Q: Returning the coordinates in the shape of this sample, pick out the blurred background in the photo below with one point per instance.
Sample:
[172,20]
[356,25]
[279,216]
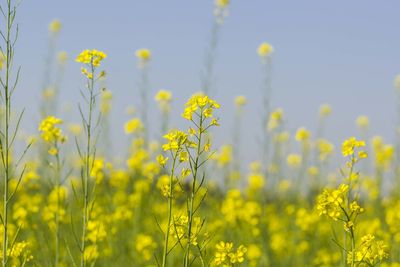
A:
[343,53]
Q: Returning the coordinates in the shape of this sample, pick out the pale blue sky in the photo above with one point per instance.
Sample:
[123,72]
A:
[345,53]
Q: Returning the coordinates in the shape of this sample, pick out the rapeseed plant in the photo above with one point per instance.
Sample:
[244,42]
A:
[182,201]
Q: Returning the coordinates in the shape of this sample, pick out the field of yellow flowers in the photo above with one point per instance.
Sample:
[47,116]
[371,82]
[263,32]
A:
[180,200]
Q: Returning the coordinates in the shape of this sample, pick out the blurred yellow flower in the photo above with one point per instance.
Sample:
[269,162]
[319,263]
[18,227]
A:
[363,122]
[325,110]
[133,126]
[143,54]
[265,49]
[240,101]
[55,26]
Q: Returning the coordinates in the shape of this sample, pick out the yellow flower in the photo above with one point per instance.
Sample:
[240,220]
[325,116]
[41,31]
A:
[325,110]
[294,160]
[226,255]
[143,54]
[200,103]
[222,3]
[163,96]
[370,251]
[50,132]
[330,202]
[62,57]
[91,57]
[350,145]
[176,140]
[55,26]
[302,135]
[363,122]
[275,119]
[145,245]
[240,101]
[133,126]
[162,160]
[265,49]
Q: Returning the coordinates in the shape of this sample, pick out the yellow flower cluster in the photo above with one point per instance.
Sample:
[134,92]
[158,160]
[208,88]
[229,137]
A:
[350,145]
[370,252]
[145,246]
[133,126]
[226,256]
[200,105]
[175,140]
[91,57]
[51,133]
[331,202]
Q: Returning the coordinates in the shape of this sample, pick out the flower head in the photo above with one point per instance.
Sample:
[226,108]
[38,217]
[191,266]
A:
[55,26]
[91,57]
[201,105]
[143,54]
[240,101]
[265,49]
[227,256]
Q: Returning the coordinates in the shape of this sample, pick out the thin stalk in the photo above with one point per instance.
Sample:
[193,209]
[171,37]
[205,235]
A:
[166,238]
[144,87]
[193,192]
[6,148]
[57,217]
[85,215]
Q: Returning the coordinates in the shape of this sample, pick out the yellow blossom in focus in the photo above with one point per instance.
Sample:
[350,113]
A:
[349,146]
[91,57]
[51,133]
[330,202]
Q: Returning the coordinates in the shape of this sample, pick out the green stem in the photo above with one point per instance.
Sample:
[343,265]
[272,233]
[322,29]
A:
[57,217]
[6,133]
[166,238]
[85,215]
[193,193]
